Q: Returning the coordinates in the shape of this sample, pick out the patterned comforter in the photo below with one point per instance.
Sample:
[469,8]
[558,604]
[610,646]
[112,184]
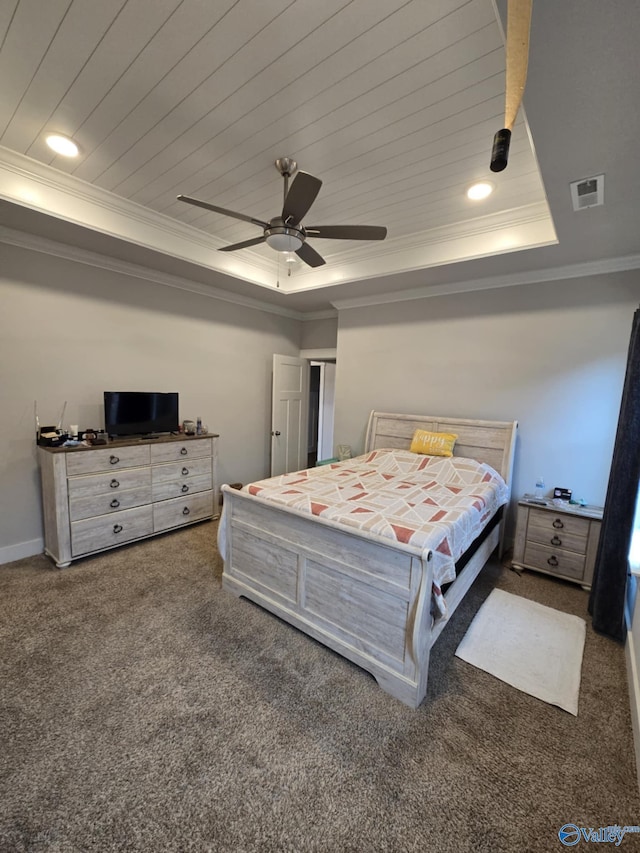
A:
[431,503]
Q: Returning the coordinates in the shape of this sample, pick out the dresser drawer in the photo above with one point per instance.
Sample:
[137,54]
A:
[105,531]
[107,459]
[114,481]
[176,488]
[87,507]
[172,451]
[181,470]
[564,563]
[173,513]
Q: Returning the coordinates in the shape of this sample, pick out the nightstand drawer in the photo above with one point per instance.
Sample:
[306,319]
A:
[561,523]
[558,537]
[558,562]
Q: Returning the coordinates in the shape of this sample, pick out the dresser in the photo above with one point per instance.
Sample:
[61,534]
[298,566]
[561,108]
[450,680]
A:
[96,498]
[557,540]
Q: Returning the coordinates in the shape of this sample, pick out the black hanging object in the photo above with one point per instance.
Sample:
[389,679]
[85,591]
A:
[500,150]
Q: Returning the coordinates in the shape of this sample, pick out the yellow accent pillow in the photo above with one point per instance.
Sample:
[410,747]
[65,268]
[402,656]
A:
[433,443]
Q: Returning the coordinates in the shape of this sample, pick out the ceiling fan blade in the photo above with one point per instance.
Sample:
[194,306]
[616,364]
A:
[244,245]
[223,210]
[302,193]
[310,256]
[347,232]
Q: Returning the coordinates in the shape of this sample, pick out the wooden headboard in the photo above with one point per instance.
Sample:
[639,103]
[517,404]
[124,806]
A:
[493,442]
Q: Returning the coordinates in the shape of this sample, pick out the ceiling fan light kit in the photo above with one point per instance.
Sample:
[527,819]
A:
[284,239]
[286,233]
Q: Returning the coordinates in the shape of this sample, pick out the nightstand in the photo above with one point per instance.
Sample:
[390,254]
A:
[559,540]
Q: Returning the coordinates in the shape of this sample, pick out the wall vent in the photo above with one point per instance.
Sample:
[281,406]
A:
[589,192]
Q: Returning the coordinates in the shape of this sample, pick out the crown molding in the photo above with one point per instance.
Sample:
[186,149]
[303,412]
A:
[581,270]
[95,259]
[504,232]
[325,314]
[42,188]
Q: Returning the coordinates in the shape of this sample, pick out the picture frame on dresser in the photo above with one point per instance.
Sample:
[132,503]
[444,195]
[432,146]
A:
[100,497]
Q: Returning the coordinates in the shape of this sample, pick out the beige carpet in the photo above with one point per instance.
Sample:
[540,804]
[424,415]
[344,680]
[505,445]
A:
[143,709]
[534,648]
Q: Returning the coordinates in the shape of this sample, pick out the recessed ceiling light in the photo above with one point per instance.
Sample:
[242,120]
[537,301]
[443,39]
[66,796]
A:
[481,190]
[62,145]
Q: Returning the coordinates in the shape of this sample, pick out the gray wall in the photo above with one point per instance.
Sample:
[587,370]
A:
[319,334]
[551,356]
[70,331]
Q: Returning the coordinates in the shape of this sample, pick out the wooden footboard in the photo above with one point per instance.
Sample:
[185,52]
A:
[364,598]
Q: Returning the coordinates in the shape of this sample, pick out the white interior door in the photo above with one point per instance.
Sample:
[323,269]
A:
[289,414]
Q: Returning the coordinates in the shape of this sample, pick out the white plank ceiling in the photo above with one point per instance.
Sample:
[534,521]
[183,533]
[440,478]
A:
[392,103]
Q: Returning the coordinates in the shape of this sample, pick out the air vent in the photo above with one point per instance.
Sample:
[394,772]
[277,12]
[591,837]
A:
[589,192]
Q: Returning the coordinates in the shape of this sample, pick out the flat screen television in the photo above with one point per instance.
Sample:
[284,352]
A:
[140,412]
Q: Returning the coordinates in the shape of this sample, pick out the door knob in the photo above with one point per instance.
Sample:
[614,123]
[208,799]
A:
[277,432]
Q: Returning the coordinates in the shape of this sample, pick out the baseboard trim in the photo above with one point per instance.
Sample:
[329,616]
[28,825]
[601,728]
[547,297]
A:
[22,549]
[634,697]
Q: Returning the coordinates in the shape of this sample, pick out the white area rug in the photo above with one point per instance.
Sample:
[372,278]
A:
[532,647]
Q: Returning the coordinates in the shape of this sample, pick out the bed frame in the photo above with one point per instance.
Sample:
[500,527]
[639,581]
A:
[365,597]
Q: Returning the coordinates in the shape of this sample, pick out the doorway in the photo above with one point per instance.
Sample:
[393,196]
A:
[322,380]
[301,419]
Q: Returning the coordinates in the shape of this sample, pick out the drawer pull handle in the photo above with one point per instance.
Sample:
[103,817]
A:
[558,524]
[553,561]
[185,488]
[185,471]
[115,503]
[114,460]
[183,451]
[186,511]
[117,528]
[556,540]
[114,484]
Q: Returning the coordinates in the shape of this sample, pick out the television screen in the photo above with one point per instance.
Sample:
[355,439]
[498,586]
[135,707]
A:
[140,412]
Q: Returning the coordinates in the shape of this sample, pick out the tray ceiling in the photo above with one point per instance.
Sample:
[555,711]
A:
[393,105]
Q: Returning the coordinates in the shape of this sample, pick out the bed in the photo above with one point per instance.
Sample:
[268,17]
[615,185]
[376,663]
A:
[369,597]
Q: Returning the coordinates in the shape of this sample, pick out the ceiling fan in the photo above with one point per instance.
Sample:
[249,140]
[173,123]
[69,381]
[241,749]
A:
[286,233]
